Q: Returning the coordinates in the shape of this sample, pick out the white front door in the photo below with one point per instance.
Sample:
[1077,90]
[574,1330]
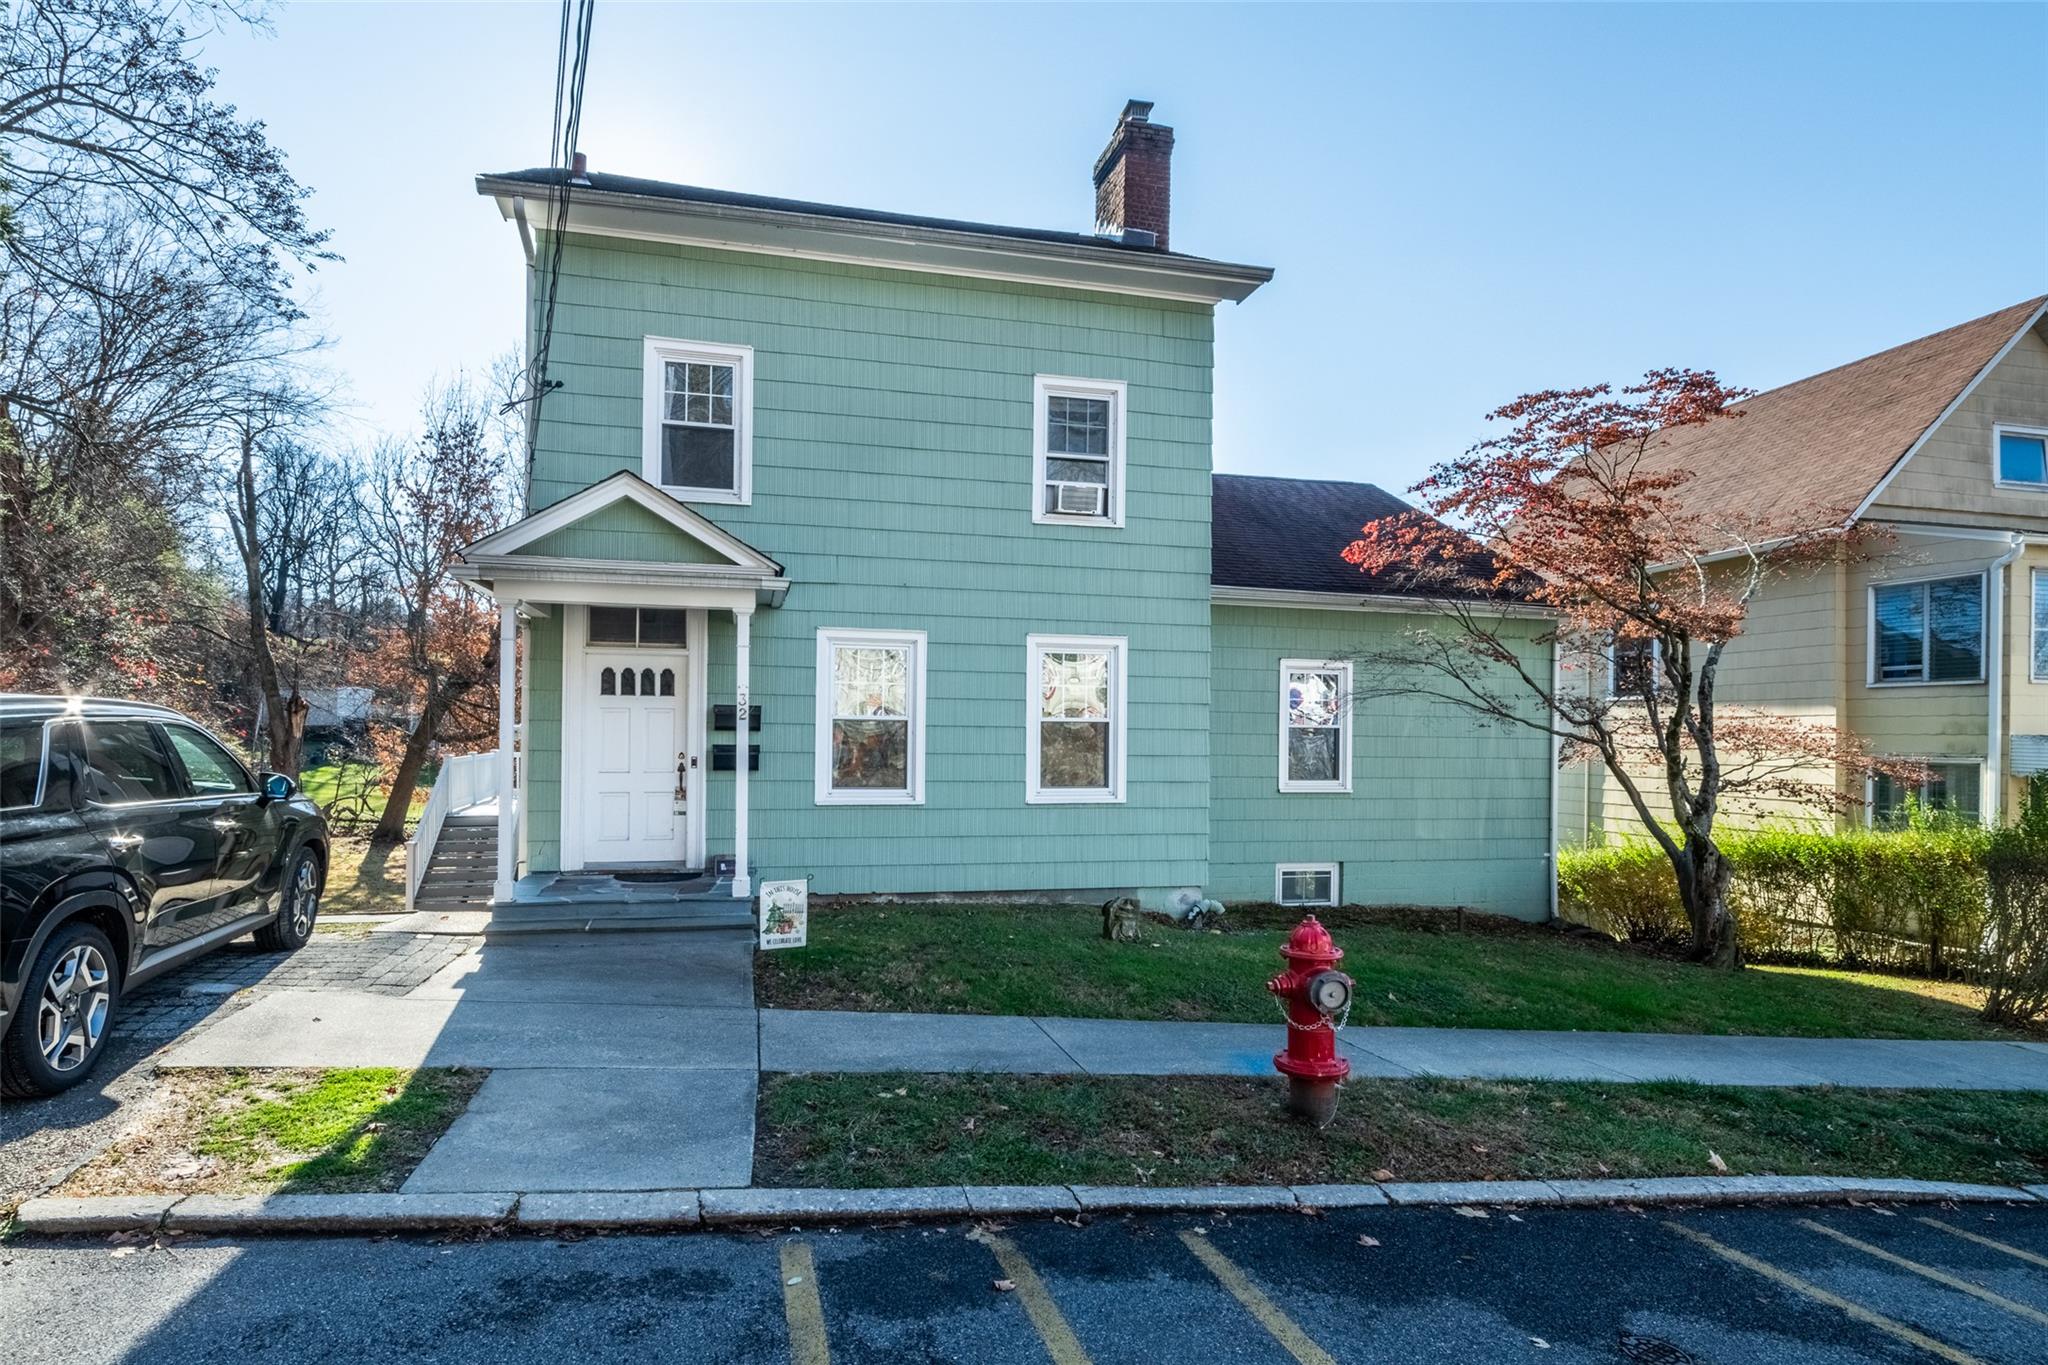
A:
[634,735]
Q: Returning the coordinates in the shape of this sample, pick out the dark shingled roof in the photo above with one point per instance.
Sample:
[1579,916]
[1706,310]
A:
[696,194]
[1290,534]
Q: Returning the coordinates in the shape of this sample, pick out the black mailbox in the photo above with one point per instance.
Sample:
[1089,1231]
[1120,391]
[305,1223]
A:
[723,757]
[726,717]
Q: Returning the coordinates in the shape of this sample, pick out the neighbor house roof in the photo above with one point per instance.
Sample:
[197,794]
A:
[1288,535]
[1815,450]
[603,202]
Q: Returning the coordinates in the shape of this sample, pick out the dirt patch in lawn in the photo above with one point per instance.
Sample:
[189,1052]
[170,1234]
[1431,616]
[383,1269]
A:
[914,1129]
[341,1131]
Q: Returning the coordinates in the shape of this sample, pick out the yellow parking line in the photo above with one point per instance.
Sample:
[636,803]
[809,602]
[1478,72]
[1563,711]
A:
[801,1307]
[2032,1258]
[1060,1342]
[1975,1291]
[1284,1329]
[1897,1330]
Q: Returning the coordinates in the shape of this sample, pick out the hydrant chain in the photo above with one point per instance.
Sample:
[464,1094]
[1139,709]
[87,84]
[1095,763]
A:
[1315,999]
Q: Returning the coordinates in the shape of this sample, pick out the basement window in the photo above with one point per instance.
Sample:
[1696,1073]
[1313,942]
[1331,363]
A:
[1305,884]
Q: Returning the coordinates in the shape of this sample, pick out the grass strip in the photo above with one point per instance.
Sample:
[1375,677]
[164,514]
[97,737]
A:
[341,1131]
[1424,970]
[864,1131]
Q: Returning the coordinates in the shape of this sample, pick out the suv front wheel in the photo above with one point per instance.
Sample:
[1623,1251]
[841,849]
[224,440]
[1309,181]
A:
[61,1028]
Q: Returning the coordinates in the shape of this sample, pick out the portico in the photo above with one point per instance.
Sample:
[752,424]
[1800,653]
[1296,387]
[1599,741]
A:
[608,596]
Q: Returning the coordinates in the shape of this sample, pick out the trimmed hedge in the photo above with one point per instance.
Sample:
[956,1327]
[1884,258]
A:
[1911,900]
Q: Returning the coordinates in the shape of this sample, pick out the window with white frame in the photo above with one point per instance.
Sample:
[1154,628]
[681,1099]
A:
[1075,746]
[1635,667]
[2040,633]
[1927,632]
[1954,788]
[1077,466]
[1315,725]
[1305,884]
[698,437]
[2021,454]
[870,717]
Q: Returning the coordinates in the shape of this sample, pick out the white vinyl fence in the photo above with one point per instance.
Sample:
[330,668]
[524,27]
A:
[464,780]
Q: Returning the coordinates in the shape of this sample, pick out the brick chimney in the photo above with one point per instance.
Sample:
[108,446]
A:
[1134,177]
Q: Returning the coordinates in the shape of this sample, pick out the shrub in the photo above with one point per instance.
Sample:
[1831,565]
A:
[2015,953]
[1910,899]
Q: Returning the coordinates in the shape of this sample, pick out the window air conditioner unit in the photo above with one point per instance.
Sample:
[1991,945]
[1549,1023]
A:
[1080,499]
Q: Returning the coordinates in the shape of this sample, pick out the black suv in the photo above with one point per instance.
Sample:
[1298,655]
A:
[131,841]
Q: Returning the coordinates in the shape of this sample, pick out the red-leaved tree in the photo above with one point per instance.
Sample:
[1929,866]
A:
[1575,517]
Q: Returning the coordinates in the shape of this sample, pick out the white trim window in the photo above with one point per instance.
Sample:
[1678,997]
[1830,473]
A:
[1307,884]
[697,440]
[1634,667]
[1077,450]
[1929,631]
[2039,650]
[1315,725]
[2019,457]
[1076,743]
[870,724]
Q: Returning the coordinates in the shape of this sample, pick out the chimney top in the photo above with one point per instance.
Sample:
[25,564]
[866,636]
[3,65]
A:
[1133,179]
[579,169]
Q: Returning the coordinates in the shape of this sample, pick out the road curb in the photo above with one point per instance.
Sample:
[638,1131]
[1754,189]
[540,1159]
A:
[600,1210]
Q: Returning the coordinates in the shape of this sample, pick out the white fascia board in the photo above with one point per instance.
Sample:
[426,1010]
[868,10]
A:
[895,246]
[548,579]
[625,486]
[1224,594]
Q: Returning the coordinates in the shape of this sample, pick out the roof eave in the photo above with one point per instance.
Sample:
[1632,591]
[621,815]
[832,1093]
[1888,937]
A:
[892,245]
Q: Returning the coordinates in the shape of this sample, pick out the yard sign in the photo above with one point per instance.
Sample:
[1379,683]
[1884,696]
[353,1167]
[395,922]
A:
[785,913]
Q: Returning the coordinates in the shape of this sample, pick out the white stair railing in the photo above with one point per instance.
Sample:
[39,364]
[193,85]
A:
[463,781]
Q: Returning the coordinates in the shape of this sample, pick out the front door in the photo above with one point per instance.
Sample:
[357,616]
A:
[633,812]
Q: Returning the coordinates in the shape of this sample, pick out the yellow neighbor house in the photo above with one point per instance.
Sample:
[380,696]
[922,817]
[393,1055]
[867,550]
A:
[1933,644]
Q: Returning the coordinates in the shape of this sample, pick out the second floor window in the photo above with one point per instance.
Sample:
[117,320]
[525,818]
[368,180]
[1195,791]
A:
[2022,455]
[1931,632]
[1078,451]
[698,437]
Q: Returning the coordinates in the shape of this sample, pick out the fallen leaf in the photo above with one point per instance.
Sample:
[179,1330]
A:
[1383,1174]
[119,1252]
[1467,1211]
[1539,1343]
[1714,1160]
[1366,1241]
[1003,1286]
[794,1279]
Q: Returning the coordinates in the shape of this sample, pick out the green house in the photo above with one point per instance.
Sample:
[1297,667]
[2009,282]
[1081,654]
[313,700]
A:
[886,552]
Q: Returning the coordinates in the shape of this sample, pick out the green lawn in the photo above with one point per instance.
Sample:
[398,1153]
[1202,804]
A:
[1046,960]
[905,1129]
[345,1130]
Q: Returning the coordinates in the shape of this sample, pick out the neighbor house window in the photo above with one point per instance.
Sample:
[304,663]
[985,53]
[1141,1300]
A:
[2040,634]
[870,716]
[1075,747]
[698,437]
[1078,451]
[1305,884]
[1634,667]
[654,627]
[2022,455]
[1951,787]
[1315,726]
[1929,632]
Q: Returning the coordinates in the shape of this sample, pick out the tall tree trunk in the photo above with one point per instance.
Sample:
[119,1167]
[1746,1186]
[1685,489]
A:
[1704,876]
[398,803]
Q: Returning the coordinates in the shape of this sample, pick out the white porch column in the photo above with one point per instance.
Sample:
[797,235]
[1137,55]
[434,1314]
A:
[743,631]
[508,695]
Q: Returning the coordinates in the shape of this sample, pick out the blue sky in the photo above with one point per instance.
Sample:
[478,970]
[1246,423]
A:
[1462,203]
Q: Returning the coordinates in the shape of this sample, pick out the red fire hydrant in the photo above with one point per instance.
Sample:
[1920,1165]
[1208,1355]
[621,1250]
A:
[1316,998]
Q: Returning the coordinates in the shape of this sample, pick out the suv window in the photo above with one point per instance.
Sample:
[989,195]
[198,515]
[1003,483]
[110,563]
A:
[21,761]
[210,769]
[124,762]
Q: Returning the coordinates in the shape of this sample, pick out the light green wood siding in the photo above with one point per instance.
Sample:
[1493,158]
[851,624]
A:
[1442,811]
[892,478]
[542,752]
[624,530]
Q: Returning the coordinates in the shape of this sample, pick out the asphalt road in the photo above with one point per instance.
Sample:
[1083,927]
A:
[1665,1287]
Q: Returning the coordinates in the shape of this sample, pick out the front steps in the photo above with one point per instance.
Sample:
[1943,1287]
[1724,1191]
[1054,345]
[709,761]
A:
[596,917]
[464,866]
